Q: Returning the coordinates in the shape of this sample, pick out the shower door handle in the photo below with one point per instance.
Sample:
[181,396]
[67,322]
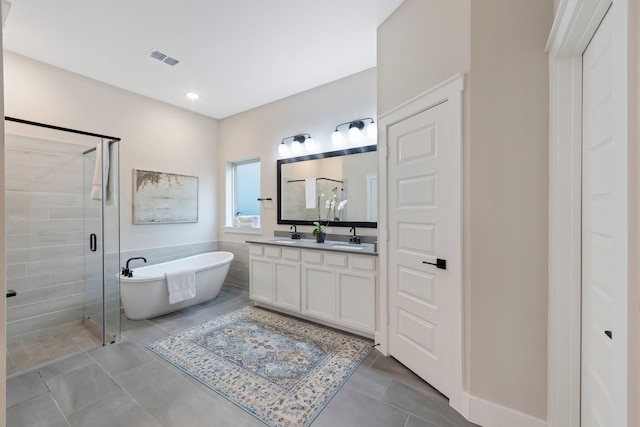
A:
[93,242]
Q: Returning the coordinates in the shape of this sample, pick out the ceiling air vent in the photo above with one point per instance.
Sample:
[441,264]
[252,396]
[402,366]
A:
[171,61]
[156,54]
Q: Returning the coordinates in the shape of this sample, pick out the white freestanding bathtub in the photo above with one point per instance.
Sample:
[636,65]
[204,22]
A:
[146,294]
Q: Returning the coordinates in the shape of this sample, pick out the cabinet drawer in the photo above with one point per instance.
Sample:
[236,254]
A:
[256,250]
[312,257]
[291,254]
[363,263]
[335,260]
[273,252]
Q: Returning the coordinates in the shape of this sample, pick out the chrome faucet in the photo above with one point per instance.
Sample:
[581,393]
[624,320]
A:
[355,239]
[295,235]
[125,270]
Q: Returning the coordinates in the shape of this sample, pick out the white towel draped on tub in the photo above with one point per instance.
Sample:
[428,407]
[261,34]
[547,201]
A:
[310,192]
[182,285]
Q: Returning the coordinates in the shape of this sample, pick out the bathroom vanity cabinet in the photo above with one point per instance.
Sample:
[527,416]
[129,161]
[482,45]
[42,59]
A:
[329,286]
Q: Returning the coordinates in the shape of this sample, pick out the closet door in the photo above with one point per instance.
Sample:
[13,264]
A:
[422,224]
[604,241]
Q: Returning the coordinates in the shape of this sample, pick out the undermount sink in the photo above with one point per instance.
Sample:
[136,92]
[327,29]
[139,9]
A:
[347,247]
[285,241]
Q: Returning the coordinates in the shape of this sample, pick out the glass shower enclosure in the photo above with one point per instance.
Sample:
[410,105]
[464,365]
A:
[62,242]
[102,229]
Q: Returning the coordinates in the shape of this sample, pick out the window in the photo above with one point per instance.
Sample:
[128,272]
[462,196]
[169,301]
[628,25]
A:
[243,191]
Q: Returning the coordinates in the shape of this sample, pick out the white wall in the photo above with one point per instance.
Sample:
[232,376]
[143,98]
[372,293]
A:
[499,45]
[257,133]
[155,136]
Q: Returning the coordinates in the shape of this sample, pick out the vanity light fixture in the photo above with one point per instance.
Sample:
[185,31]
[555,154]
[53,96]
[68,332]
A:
[355,131]
[296,144]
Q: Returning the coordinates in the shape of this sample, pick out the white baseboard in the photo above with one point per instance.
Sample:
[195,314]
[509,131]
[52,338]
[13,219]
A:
[488,414]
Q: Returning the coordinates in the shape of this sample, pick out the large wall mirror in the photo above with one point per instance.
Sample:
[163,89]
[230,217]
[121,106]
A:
[339,186]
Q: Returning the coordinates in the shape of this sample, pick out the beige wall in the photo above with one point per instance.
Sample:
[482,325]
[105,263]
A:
[257,133]
[499,45]
[634,228]
[155,136]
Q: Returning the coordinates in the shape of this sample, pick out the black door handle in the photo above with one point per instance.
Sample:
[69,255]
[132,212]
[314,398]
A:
[11,293]
[93,242]
[609,334]
[440,263]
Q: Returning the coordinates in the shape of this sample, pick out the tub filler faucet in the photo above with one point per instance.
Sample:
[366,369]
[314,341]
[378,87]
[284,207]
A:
[125,270]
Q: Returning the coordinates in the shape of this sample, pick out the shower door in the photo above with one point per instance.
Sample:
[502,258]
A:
[102,240]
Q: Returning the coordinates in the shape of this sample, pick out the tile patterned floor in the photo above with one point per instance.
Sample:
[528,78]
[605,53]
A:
[125,384]
[35,349]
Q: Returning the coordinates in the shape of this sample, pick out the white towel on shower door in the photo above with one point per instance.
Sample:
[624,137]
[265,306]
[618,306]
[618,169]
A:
[182,285]
[100,166]
[96,188]
[310,192]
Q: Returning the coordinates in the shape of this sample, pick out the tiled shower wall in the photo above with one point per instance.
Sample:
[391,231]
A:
[45,240]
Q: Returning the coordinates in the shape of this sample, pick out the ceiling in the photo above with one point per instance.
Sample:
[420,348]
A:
[236,54]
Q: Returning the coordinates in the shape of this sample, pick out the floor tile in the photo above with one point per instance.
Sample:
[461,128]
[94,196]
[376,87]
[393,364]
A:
[369,381]
[81,387]
[65,365]
[40,411]
[128,324]
[350,408]
[414,421]
[24,387]
[194,408]
[426,404]
[392,367]
[174,322]
[38,348]
[371,357]
[117,409]
[145,334]
[120,357]
[153,384]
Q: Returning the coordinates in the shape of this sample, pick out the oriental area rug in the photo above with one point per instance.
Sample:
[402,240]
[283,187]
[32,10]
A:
[281,370]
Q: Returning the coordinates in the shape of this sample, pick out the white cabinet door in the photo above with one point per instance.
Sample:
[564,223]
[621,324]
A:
[356,300]
[261,280]
[319,292]
[286,280]
[287,285]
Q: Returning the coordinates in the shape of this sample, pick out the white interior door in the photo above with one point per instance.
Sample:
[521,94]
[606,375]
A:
[603,394]
[420,175]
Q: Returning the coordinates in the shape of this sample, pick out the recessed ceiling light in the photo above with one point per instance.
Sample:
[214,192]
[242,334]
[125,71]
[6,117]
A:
[192,95]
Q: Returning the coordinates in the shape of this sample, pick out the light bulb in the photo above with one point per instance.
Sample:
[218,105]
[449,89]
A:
[336,137]
[311,145]
[372,131]
[283,149]
[354,134]
[295,147]
[192,95]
